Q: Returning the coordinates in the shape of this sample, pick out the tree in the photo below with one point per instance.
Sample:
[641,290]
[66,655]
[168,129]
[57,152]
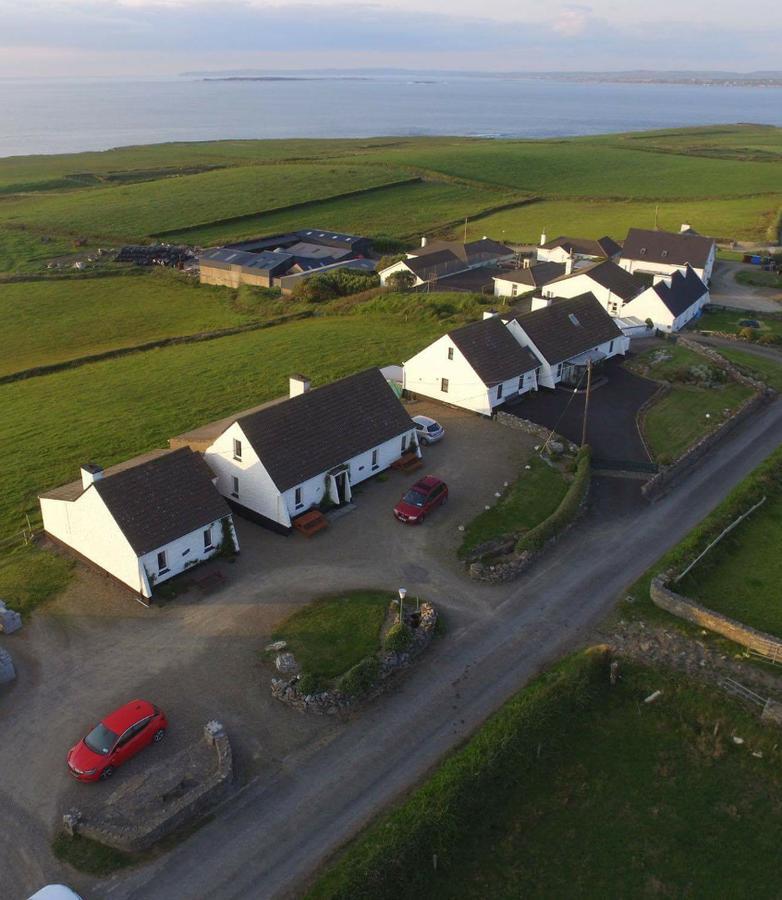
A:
[401,281]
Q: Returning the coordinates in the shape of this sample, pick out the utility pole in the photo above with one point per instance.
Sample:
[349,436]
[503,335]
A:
[586,403]
[465,229]
[656,214]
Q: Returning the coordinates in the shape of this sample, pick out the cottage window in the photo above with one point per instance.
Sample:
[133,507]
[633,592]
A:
[521,384]
[297,498]
[499,391]
[375,463]
[237,449]
[404,443]
[514,290]
[450,353]
[235,484]
[444,385]
[208,539]
[611,347]
[162,564]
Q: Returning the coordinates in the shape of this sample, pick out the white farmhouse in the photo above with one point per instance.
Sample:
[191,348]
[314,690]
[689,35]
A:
[563,248]
[671,302]
[477,367]
[142,521]
[433,261]
[663,253]
[529,278]
[609,283]
[567,336]
[282,459]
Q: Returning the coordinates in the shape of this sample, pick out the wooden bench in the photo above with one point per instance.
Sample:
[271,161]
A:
[310,523]
[408,462]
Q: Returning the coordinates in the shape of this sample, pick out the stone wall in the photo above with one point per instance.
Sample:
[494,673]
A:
[391,661]
[529,427]
[134,836]
[662,481]
[685,608]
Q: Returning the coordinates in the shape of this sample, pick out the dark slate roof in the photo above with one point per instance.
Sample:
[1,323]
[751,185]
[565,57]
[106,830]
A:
[611,276]
[483,248]
[567,328]
[422,265]
[685,289]
[155,498]
[604,246]
[266,261]
[307,435]
[492,351]
[535,276]
[666,247]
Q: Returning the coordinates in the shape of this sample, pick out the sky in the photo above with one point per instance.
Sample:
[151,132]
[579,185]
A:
[167,37]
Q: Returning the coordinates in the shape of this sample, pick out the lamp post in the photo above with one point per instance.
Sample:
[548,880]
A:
[402,595]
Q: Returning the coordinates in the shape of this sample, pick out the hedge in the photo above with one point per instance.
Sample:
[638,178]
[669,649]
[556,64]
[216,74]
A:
[567,510]
[394,856]
[361,678]
[398,637]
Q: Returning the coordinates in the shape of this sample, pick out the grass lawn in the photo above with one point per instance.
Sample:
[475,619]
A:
[727,321]
[760,366]
[578,789]
[686,414]
[21,251]
[741,576]
[529,500]
[51,321]
[112,410]
[759,278]
[664,361]
[332,634]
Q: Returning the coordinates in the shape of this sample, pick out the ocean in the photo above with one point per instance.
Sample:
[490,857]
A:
[71,115]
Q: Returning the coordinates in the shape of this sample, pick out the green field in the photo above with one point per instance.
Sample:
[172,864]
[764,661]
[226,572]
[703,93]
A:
[50,321]
[761,367]
[579,789]
[729,322]
[741,576]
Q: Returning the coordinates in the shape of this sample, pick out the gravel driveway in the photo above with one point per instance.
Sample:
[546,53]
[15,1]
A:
[726,291]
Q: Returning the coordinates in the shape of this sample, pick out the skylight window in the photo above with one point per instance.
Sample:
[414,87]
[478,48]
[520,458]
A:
[574,319]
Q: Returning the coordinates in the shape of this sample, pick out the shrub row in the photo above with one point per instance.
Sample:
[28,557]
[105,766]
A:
[361,678]
[567,510]
[398,637]
[394,857]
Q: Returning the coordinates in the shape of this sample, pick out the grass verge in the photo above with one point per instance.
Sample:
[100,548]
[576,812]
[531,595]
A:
[578,789]
[91,857]
[761,367]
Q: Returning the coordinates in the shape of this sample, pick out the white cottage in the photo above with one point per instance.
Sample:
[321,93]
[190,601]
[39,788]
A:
[439,259]
[567,336]
[671,302]
[564,248]
[142,521]
[478,367]
[282,459]
[529,278]
[663,253]
[609,283]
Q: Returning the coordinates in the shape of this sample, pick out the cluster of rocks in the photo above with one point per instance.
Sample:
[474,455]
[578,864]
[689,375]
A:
[154,255]
[332,701]
[721,362]
[7,669]
[10,620]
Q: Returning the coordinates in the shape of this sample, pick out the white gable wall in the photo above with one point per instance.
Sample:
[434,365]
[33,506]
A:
[583,284]
[648,305]
[649,267]
[400,266]
[504,288]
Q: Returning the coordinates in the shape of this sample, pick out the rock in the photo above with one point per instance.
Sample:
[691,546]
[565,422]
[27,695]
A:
[556,448]
[7,670]
[277,646]
[738,740]
[10,620]
[286,663]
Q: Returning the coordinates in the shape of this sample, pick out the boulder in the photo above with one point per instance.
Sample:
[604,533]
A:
[286,663]
[10,620]
[7,670]
[277,646]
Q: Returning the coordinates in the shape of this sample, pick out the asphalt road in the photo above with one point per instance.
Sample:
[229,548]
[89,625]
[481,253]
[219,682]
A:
[726,291]
[267,842]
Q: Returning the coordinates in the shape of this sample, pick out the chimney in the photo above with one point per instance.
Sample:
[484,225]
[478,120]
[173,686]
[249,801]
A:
[485,237]
[423,240]
[298,384]
[540,303]
[685,227]
[527,262]
[489,313]
[569,266]
[90,473]
[542,238]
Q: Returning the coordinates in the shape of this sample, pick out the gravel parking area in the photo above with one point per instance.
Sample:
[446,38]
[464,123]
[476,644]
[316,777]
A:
[198,657]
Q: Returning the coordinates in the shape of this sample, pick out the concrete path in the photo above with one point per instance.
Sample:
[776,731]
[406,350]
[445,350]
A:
[726,291]
[269,842]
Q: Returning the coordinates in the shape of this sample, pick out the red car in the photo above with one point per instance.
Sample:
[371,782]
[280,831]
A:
[421,499]
[116,739]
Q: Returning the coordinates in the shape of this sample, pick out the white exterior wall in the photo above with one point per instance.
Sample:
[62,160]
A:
[181,554]
[87,525]
[400,266]
[505,288]
[424,373]
[647,267]
[649,306]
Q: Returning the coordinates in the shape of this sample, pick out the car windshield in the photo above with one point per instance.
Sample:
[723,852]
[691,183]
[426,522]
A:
[415,498]
[433,427]
[101,740]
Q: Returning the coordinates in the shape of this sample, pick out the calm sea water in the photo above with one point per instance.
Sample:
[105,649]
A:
[55,116]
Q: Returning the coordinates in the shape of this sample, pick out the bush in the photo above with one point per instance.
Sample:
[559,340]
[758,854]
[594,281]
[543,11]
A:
[748,334]
[567,510]
[387,261]
[361,678]
[398,637]
[770,339]
[401,281]
[308,683]
[330,285]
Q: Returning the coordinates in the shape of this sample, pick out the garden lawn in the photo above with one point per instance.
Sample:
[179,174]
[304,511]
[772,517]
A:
[728,321]
[741,576]
[759,278]
[664,361]
[579,789]
[533,497]
[47,322]
[759,366]
[332,634]
[21,251]
[679,419]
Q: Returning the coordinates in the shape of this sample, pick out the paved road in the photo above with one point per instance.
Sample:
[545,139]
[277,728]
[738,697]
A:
[726,291]
[268,843]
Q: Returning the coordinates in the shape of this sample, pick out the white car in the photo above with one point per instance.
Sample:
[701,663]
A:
[55,892]
[428,431]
